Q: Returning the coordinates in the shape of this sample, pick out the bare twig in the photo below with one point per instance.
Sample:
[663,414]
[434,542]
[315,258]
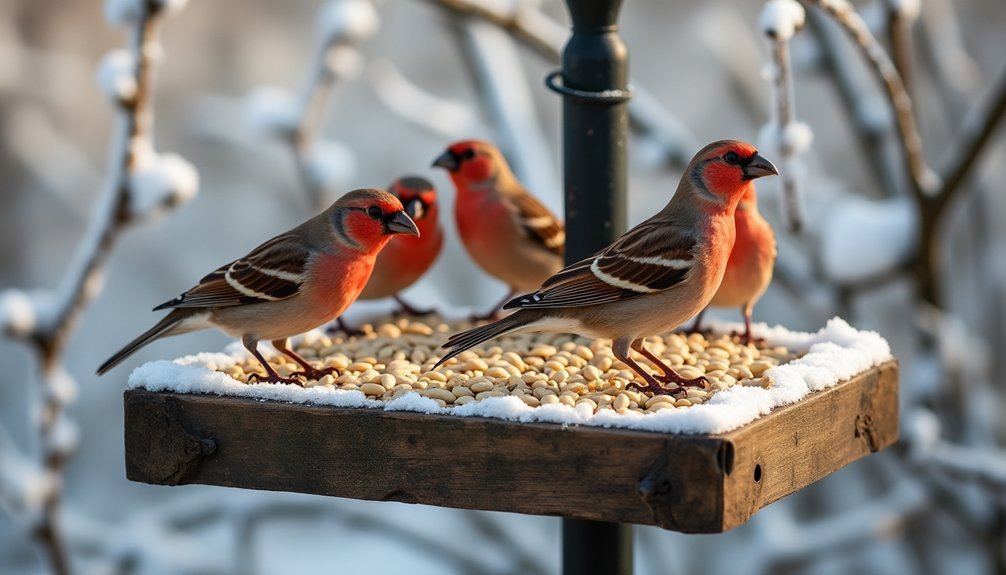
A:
[925,182]
[972,138]
[901,14]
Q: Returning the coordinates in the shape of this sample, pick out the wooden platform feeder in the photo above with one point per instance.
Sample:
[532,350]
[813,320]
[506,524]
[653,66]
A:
[599,480]
[689,483]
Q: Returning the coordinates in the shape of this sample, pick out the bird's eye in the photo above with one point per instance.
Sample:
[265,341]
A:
[375,212]
[468,154]
[732,157]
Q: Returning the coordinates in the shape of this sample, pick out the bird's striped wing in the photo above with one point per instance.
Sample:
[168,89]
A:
[271,272]
[539,223]
[650,258]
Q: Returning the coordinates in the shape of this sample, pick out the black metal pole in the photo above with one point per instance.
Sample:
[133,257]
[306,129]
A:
[595,131]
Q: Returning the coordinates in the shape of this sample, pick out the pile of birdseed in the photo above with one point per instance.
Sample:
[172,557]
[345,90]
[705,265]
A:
[394,357]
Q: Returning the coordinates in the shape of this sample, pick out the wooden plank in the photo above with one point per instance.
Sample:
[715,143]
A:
[696,484]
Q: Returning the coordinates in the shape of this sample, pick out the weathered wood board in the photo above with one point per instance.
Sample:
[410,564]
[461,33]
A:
[689,483]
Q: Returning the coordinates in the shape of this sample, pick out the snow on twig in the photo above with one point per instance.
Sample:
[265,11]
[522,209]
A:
[789,139]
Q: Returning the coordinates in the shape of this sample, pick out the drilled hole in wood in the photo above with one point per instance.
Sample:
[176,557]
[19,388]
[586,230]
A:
[757,473]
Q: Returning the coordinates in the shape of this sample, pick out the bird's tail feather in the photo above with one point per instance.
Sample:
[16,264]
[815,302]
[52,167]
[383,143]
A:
[161,329]
[466,340]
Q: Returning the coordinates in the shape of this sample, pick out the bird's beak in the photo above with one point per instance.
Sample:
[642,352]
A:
[758,166]
[415,209]
[401,223]
[448,160]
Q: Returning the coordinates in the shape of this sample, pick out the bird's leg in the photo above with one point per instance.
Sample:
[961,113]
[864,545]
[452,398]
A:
[670,376]
[271,377]
[493,314]
[341,325]
[620,348]
[409,309]
[697,326]
[746,310]
[309,371]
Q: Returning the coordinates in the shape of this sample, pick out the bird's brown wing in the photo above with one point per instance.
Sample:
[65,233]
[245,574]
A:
[271,272]
[539,223]
[648,259]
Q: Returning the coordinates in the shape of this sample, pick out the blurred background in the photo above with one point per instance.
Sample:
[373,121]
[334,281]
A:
[281,107]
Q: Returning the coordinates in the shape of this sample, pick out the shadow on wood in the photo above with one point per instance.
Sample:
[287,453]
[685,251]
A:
[689,483]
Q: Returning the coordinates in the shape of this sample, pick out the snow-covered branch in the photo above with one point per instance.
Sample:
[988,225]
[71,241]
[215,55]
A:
[783,135]
[324,166]
[139,183]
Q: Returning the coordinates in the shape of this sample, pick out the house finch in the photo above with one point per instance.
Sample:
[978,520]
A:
[292,283]
[406,258]
[508,233]
[653,278]
[749,269]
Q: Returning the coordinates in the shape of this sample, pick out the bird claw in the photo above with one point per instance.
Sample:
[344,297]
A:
[657,389]
[700,381]
[274,378]
[316,374]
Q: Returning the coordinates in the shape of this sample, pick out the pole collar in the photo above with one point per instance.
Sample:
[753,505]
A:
[610,97]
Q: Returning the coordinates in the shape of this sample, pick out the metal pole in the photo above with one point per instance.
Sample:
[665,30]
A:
[594,85]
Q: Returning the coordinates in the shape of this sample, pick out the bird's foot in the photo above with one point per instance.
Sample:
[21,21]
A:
[407,309]
[313,373]
[745,338]
[657,389]
[699,381]
[274,378]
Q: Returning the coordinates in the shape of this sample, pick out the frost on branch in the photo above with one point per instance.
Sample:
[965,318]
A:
[129,12]
[272,110]
[784,137]
[863,239]
[116,76]
[347,22]
[165,181]
[17,313]
[780,19]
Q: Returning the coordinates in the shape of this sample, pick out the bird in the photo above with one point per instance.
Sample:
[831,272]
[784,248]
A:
[508,232]
[292,283]
[749,269]
[406,258]
[650,280]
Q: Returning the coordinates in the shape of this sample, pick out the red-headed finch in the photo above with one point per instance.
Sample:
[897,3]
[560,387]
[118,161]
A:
[292,283]
[406,258]
[508,233]
[749,269]
[653,278]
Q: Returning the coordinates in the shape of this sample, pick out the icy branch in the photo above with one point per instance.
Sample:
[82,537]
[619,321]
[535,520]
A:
[929,451]
[445,118]
[779,20]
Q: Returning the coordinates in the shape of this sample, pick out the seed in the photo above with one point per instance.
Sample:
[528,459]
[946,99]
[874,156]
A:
[491,393]
[498,372]
[657,399]
[658,406]
[388,381]
[692,392]
[373,389]
[549,399]
[591,373]
[441,394]
[359,366]
[566,400]
[480,385]
[435,376]
[530,400]
[327,379]
[544,351]
[584,352]
[466,399]
[514,360]
[559,376]
[541,392]
[621,403]
[474,364]
[759,367]
[461,391]
[588,402]
[682,403]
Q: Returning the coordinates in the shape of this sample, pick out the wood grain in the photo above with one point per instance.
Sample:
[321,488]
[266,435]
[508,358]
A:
[696,484]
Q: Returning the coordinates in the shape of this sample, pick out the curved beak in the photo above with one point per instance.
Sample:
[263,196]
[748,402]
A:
[400,223]
[757,167]
[415,209]
[448,161]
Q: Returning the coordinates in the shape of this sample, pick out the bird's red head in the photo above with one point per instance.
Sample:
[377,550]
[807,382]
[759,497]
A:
[725,169]
[419,198]
[366,219]
[471,161]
